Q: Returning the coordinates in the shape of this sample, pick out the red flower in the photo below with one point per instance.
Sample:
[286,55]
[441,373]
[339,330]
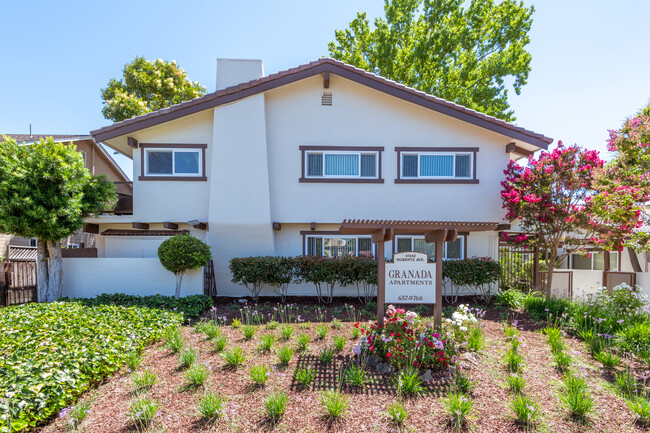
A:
[371,348]
[388,355]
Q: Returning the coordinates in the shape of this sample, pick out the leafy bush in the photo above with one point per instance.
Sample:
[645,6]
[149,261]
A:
[191,306]
[323,272]
[182,253]
[634,338]
[510,298]
[540,308]
[477,273]
[255,272]
[52,353]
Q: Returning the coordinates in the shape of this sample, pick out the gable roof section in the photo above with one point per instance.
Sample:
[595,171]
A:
[33,138]
[320,66]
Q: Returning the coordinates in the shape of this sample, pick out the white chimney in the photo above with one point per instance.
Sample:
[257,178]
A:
[231,72]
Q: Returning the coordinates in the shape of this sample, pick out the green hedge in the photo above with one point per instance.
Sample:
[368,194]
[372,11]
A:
[51,353]
[191,306]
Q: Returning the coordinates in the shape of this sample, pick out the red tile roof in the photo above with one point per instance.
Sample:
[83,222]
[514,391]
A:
[319,66]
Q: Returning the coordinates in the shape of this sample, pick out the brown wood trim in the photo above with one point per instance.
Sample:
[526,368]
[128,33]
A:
[202,178]
[277,226]
[140,226]
[350,148]
[307,148]
[326,80]
[171,226]
[502,227]
[132,142]
[513,148]
[313,225]
[200,226]
[173,178]
[91,228]
[174,145]
[339,180]
[254,87]
[436,149]
[320,232]
[447,181]
[464,234]
[473,150]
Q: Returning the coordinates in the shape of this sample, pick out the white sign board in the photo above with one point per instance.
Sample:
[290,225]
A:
[411,279]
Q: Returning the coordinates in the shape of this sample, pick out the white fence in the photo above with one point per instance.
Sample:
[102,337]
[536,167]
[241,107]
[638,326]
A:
[89,277]
[582,283]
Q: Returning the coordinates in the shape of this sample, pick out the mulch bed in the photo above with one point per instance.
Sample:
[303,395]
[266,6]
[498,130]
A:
[110,401]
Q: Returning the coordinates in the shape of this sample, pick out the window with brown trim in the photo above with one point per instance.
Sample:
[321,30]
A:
[341,164]
[436,164]
[454,250]
[172,162]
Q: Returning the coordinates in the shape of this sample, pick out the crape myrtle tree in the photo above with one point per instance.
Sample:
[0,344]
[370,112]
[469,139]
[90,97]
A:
[629,170]
[560,199]
[182,253]
[46,193]
[465,52]
[147,86]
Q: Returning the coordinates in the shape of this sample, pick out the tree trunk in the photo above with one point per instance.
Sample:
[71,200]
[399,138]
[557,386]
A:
[179,281]
[49,271]
[634,260]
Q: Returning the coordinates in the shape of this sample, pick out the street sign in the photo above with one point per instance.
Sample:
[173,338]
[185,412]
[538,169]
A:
[411,279]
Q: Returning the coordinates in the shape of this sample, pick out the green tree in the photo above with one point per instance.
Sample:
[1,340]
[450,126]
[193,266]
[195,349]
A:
[182,253]
[465,55]
[46,193]
[147,86]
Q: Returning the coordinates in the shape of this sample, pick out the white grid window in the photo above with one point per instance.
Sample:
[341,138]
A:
[342,165]
[450,251]
[339,246]
[436,165]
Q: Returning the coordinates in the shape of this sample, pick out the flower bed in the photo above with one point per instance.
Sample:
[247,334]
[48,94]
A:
[51,353]
[408,340]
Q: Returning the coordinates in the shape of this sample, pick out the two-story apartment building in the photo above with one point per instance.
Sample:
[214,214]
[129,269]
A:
[271,165]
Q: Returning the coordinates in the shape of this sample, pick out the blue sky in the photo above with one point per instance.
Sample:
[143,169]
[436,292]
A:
[590,66]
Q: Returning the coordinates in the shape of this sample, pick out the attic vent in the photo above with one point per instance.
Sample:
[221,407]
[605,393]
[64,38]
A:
[326,99]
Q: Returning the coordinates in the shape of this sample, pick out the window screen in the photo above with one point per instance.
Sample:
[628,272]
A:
[410,166]
[314,164]
[160,162]
[341,165]
[463,165]
[368,165]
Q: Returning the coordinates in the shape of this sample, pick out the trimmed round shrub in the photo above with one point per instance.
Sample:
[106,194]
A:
[182,253]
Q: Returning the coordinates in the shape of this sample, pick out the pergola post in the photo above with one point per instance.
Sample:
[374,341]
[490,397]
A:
[381,283]
[437,309]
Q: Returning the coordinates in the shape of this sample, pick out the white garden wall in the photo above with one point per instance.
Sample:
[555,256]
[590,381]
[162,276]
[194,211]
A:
[89,277]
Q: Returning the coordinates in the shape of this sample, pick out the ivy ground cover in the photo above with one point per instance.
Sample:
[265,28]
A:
[51,353]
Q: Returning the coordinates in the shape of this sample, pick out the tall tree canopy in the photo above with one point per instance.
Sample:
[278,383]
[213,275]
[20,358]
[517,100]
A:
[465,55]
[46,193]
[147,86]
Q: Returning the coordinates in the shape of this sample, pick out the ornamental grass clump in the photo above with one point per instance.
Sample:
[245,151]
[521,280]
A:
[305,376]
[266,343]
[219,343]
[197,374]
[608,359]
[275,405]
[321,331]
[144,380]
[234,357]
[325,355]
[516,383]
[527,411]
[458,407]
[210,405]
[78,414]
[186,358]
[302,342]
[142,412]
[513,360]
[134,360]
[397,413]
[339,343]
[286,331]
[248,331]
[285,353]
[334,404]
[259,374]
[174,339]
[408,382]
[355,376]
[576,396]
[640,407]
[626,383]
[212,330]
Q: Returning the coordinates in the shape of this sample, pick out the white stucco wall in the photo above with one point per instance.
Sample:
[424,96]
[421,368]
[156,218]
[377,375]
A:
[89,277]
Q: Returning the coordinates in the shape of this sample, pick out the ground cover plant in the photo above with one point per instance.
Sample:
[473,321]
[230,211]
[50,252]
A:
[191,306]
[51,353]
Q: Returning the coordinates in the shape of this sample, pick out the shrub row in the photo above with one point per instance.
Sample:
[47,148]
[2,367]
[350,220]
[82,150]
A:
[51,353]
[191,306]
[325,273]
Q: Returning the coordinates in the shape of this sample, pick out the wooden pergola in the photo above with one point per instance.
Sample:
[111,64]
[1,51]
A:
[434,231]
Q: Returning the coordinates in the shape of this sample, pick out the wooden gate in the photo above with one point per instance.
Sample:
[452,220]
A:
[18,283]
[561,285]
[612,279]
[209,283]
